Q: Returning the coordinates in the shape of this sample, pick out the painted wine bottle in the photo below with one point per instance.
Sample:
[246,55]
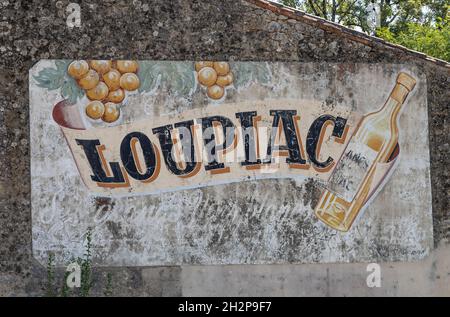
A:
[373,142]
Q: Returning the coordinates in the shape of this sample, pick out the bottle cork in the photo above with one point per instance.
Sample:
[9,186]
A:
[406,80]
[405,83]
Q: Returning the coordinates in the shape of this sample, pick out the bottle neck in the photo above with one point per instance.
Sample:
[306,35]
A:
[391,109]
[395,101]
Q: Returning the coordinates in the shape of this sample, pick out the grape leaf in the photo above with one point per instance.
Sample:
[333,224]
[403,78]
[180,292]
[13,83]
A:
[147,77]
[246,73]
[58,78]
[177,78]
[71,91]
[49,78]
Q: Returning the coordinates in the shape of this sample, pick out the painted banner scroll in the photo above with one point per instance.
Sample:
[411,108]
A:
[224,124]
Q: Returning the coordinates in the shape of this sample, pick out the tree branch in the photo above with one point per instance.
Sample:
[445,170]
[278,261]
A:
[393,18]
[313,8]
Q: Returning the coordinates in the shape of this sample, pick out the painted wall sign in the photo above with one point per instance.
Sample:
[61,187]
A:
[140,130]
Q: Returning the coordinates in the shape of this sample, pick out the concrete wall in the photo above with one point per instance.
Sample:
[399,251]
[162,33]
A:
[197,30]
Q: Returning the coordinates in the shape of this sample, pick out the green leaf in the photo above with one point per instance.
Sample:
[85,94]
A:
[147,77]
[178,78]
[58,78]
[246,73]
[49,78]
[62,65]
[71,91]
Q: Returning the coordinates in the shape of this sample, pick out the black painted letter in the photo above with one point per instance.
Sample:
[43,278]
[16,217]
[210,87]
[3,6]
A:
[313,139]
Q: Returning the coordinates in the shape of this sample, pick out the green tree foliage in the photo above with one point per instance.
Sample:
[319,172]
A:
[433,41]
[339,11]
[422,25]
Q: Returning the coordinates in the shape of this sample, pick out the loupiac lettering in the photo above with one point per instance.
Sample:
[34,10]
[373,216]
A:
[184,151]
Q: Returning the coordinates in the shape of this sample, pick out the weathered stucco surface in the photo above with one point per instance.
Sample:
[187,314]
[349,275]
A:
[242,222]
[195,30]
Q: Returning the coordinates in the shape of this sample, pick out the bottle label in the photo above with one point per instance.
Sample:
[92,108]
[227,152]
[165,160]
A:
[351,170]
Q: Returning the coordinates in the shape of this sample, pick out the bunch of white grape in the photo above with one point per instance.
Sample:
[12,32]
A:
[105,83]
[215,76]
